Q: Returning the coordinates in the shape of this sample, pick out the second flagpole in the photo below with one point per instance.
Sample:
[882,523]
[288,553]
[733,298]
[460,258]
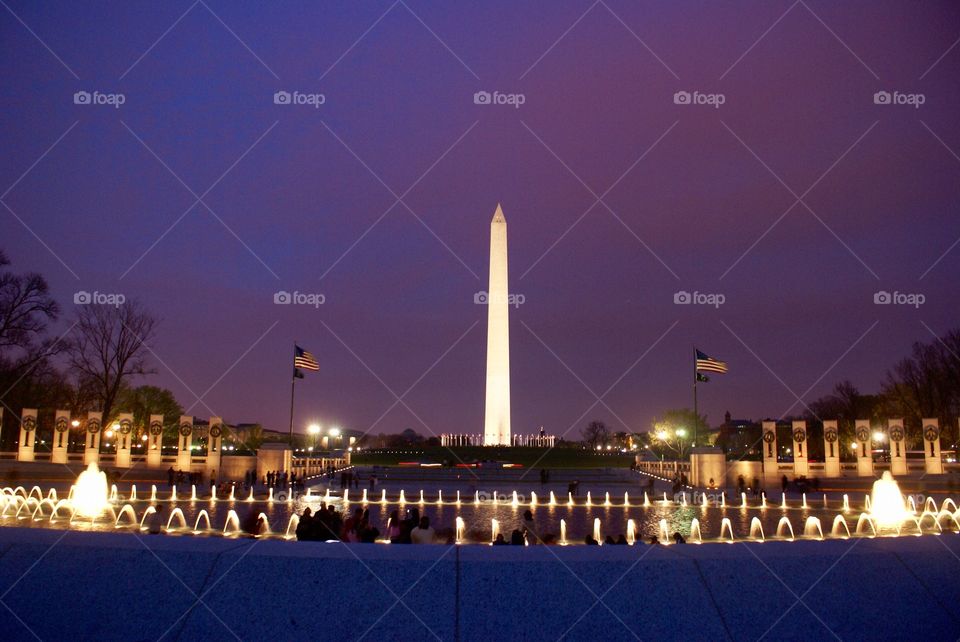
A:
[293,387]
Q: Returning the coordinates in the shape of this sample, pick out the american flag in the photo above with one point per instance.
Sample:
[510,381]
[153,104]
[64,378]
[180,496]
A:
[709,364]
[304,359]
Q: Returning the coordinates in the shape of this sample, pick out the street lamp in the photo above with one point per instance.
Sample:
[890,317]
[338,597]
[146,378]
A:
[335,433]
[314,429]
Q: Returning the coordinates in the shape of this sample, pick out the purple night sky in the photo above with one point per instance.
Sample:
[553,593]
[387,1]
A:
[304,199]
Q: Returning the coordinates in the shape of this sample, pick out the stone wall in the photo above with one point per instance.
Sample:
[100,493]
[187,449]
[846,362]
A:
[884,589]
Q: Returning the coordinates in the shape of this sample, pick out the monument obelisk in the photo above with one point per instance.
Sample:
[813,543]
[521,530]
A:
[496,425]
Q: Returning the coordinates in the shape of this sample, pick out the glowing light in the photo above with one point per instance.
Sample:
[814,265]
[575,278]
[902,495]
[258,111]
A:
[887,507]
[90,492]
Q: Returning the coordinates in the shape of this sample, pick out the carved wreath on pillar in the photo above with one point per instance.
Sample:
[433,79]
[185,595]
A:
[769,436]
[931,432]
[799,435]
[28,423]
[156,428]
[830,434]
[186,429]
[863,433]
[215,430]
[93,426]
[61,424]
[896,433]
[125,426]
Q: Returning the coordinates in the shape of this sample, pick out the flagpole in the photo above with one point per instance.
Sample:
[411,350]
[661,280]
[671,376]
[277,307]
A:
[696,414]
[293,387]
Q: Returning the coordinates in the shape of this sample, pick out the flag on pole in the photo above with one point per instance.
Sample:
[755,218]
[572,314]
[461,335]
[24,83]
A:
[702,378]
[709,364]
[303,359]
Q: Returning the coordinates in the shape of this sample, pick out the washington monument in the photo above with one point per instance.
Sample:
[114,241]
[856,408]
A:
[496,425]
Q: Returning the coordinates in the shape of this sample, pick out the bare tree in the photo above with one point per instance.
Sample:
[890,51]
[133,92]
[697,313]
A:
[109,347]
[595,433]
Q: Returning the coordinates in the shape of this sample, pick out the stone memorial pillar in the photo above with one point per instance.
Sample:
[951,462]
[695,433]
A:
[933,464]
[124,438]
[214,447]
[28,434]
[800,459]
[771,472]
[184,442]
[864,454]
[91,449]
[61,437]
[831,448]
[155,441]
[898,448]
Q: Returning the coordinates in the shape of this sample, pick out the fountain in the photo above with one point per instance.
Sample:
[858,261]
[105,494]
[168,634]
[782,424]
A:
[133,493]
[631,532]
[804,504]
[606,500]
[563,532]
[129,512]
[696,537]
[147,513]
[663,533]
[646,499]
[232,525]
[250,496]
[626,498]
[743,500]
[533,499]
[439,498]
[265,529]
[781,531]
[346,496]
[514,502]
[421,496]
[866,519]
[569,499]
[812,528]
[177,514]
[383,495]
[403,497]
[458,498]
[193,493]
[726,527]
[783,501]
[204,517]
[363,500]
[589,500]
[494,530]
[756,530]
[90,493]
[553,499]
[846,503]
[596,530]
[292,526]
[476,498]
[839,522]
[886,504]
[460,527]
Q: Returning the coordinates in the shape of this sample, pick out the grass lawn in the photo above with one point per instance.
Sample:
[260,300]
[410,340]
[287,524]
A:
[555,458]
